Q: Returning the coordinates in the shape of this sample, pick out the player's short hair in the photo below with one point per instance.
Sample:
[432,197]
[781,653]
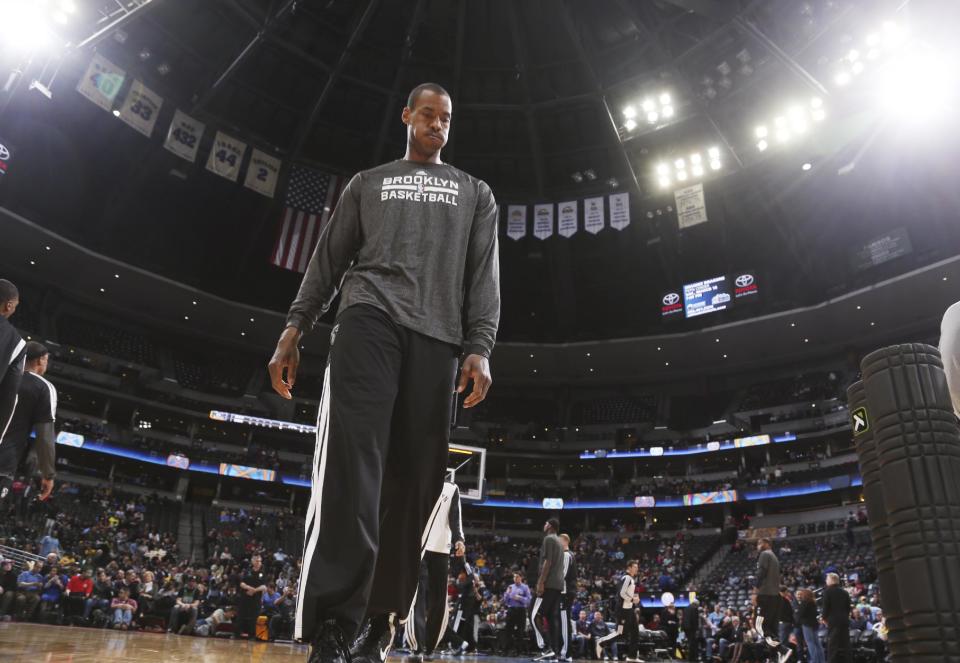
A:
[765,540]
[36,350]
[424,87]
[632,562]
[8,291]
[554,524]
[565,537]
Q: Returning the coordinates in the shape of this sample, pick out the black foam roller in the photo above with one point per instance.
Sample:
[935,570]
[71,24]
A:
[877,514]
[917,443]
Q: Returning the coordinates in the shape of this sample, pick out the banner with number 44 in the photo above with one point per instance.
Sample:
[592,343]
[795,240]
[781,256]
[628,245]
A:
[226,156]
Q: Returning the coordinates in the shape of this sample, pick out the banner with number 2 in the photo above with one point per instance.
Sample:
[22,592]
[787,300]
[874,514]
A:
[183,137]
[226,156]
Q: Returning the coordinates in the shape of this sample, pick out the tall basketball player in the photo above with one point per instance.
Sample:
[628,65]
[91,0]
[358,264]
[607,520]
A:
[11,357]
[412,246]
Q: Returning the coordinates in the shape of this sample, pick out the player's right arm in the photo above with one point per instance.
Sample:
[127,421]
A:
[336,249]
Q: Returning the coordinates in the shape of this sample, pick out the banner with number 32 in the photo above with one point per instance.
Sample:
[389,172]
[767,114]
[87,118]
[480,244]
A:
[226,156]
[183,137]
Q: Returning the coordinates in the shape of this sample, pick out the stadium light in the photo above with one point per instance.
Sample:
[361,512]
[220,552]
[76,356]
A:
[630,124]
[919,88]
[795,121]
[25,26]
[629,112]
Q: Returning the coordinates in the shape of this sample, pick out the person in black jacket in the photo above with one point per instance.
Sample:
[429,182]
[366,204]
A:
[12,359]
[461,633]
[567,596]
[691,623]
[836,615]
[600,633]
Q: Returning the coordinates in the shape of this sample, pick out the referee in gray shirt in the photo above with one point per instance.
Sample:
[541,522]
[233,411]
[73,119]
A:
[412,249]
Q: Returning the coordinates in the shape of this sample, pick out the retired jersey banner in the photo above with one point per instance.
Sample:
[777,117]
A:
[183,137]
[516,221]
[619,210]
[593,215]
[101,82]
[567,219]
[262,173]
[225,156]
[543,221]
[141,107]
[691,209]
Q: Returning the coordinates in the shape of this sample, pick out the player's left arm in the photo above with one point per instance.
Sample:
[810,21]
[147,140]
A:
[482,298]
[44,418]
[456,524]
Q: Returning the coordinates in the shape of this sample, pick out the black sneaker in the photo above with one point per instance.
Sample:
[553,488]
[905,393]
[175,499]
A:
[330,645]
[375,640]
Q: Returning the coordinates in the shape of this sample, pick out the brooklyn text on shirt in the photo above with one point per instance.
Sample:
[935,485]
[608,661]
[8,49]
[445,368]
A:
[420,188]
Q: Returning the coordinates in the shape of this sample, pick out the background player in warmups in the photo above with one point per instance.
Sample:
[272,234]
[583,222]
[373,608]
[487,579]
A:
[569,593]
[419,284]
[627,617]
[36,411]
[427,619]
[11,358]
[769,600]
[549,586]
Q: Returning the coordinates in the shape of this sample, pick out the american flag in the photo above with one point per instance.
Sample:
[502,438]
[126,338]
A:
[311,197]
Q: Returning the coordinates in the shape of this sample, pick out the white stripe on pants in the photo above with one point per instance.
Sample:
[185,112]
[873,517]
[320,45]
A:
[316,499]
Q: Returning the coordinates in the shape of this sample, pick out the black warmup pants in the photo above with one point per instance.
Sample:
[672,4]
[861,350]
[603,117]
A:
[517,629]
[547,607]
[629,627]
[429,619]
[378,468]
[838,644]
[565,600]
[768,615]
[461,630]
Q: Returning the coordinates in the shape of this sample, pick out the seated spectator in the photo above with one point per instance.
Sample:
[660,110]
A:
[50,544]
[207,626]
[8,589]
[581,635]
[271,598]
[599,629]
[281,622]
[29,586]
[148,594]
[79,589]
[53,586]
[101,596]
[183,614]
[123,608]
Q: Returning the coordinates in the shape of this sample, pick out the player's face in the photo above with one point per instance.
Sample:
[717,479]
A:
[428,124]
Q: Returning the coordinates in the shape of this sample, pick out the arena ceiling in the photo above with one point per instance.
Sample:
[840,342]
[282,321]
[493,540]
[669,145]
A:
[539,91]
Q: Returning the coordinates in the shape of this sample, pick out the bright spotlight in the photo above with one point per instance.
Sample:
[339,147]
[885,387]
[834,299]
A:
[853,55]
[762,145]
[652,117]
[761,131]
[679,163]
[816,102]
[715,164]
[648,105]
[630,125]
[780,121]
[60,18]
[818,114]
[697,171]
[927,83]
[806,166]
[714,152]
[665,99]
[682,176]
[695,158]
[783,136]
[667,111]
[116,112]
[873,39]
[629,112]
[663,169]
[68,6]
[24,27]
[842,78]
[873,53]
[800,127]
[857,67]
[664,182]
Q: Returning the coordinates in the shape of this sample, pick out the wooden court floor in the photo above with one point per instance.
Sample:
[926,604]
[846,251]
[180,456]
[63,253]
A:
[38,643]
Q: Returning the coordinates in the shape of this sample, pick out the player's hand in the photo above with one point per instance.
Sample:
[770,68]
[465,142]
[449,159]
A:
[540,589]
[459,549]
[285,358]
[46,487]
[476,368]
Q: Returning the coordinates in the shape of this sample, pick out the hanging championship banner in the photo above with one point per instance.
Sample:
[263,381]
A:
[225,156]
[691,209]
[516,221]
[593,215]
[141,107]
[262,173]
[183,137]
[567,219]
[543,221]
[619,210]
[101,82]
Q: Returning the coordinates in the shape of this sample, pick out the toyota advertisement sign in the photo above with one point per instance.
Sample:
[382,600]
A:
[710,295]
[745,285]
[671,303]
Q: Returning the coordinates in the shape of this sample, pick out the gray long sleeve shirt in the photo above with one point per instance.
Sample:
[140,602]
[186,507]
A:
[768,573]
[418,241]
